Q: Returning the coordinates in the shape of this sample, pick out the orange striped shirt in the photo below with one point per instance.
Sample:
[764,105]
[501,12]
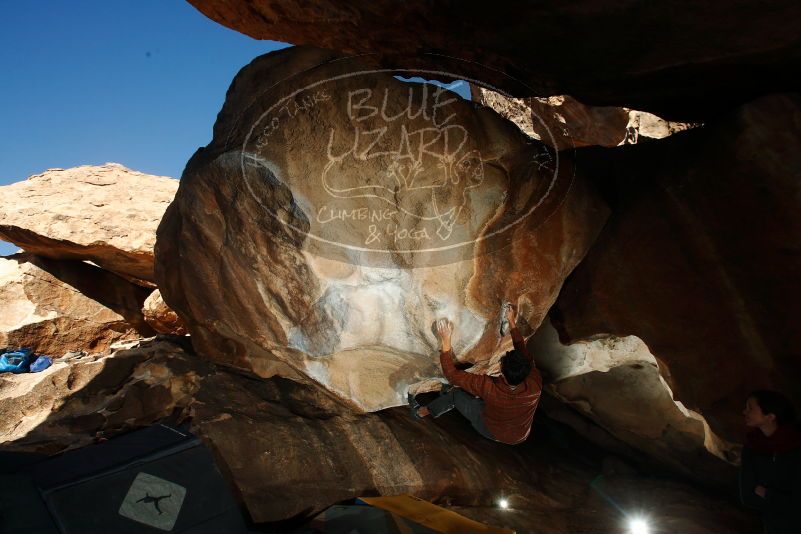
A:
[508,412]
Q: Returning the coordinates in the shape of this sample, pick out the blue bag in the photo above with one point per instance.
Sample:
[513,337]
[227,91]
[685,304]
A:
[41,363]
[15,361]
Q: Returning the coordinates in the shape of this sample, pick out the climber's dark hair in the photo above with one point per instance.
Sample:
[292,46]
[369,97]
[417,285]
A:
[776,403]
[515,367]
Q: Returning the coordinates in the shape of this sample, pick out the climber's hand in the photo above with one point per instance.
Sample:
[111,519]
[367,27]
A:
[445,331]
[511,315]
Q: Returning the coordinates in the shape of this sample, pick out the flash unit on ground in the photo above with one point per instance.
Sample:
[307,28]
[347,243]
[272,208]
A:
[639,526]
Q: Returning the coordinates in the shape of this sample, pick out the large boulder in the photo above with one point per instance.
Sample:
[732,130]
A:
[700,258]
[679,61]
[291,450]
[335,216]
[107,214]
[54,306]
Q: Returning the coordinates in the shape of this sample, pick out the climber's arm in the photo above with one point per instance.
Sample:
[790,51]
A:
[478,385]
[474,384]
[517,338]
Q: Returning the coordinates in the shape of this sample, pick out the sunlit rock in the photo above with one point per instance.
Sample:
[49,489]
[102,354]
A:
[54,306]
[564,123]
[106,214]
[80,397]
[160,317]
[335,216]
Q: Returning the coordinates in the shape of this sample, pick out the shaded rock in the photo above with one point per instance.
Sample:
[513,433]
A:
[160,317]
[322,242]
[68,404]
[599,437]
[615,382]
[294,463]
[605,504]
[679,62]
[563,122]
[291,450]
[107,214]
[700,258]
[53,306]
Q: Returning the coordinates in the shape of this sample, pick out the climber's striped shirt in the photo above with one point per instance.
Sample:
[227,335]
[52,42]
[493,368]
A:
[508,412]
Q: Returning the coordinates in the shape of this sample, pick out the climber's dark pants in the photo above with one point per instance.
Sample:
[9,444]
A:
[469,406]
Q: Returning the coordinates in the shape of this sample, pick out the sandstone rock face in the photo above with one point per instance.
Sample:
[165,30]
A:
[615,382]
[700,259]
[647,125]
[160,317]
[54,306]
[292,450]
[69,403]
[107,214]
[681,64]
[299,455]
[563,122]
[320,235]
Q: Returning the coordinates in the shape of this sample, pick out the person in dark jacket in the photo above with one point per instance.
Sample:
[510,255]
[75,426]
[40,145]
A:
[770,477]
[499,408]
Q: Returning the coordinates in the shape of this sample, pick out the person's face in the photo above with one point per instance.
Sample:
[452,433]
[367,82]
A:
[753,414]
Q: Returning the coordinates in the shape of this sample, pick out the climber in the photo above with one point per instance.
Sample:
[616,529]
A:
[770,477]
[499,408]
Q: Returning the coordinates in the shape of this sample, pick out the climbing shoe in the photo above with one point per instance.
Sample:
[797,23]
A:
[413,406]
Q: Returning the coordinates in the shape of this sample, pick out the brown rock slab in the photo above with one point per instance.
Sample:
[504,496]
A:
[291,450]
[679,62]
[615,382]
[107,214]
[78,398]
[298,457]
[700,258]
[160,317]
[54,306]
[320,234]
[564,123]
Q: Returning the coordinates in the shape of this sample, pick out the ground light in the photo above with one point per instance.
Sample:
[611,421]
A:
[503,503]
[639,526]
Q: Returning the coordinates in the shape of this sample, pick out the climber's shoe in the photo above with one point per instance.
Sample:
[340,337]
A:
[413,406]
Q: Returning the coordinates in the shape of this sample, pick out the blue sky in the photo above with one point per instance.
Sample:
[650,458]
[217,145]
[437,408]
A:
[133,82]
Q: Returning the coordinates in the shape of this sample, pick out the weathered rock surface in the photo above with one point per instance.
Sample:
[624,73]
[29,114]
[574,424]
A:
[615,382]
[70,402]
[298,456]
[647,125]
[291,450]
[563,122]
[54,306]
[160,317]
[107,214]
[319,237]
[701,258]
[681,62]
